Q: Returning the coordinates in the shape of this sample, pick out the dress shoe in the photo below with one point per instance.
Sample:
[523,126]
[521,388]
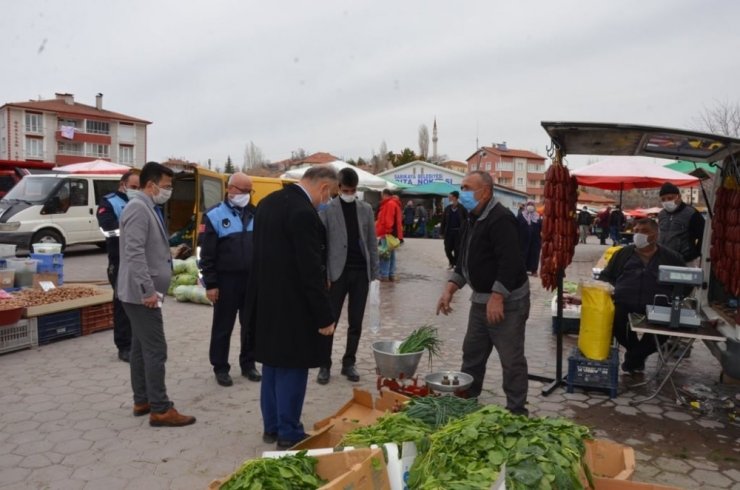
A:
[284,444]
[351,373]
[124,355]
[224,379]
[252,374]
[141,409]
[170,418]
[269,437]
[323,376]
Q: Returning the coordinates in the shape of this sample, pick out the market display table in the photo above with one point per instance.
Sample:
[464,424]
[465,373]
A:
[668,358]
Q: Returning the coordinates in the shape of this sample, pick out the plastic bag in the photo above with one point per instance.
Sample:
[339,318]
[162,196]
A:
[392,242]
[597,316]
[194,294]
[373,307]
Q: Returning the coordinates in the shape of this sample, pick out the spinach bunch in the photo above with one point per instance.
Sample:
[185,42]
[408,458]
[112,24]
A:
[437,411]
[468,453]
[396,427]
[297,472]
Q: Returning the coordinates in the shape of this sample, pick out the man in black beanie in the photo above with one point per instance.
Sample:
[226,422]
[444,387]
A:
[681,226]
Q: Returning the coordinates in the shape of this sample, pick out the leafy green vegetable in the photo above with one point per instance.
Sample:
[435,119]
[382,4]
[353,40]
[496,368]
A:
[424,337]
[468,452]
[396,427]
[296,472]
[436,411]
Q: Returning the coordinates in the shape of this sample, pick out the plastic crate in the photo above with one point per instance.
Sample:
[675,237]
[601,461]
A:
[595,375]
[20,335]
[97,318]
[57,326]
[571,318]
[49,262]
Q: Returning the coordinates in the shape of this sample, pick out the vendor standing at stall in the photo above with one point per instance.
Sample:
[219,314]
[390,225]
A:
[225,262]
[681,225]
[109,213]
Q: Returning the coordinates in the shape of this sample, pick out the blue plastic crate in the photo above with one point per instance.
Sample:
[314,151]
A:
[58,325]
[49,262]
[594,375]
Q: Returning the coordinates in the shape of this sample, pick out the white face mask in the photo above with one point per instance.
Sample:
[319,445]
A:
[130,193]
[239,200]
[348,197]
[163,196]
[641,240]
[530,209]
[670,206]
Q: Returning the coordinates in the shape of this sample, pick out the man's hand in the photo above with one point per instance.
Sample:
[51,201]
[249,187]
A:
[151,301]
[443,304]
[212,295]
[328,330]
[495,309]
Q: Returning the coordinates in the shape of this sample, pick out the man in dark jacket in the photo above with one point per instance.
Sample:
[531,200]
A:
[452,219]
[289,301]
[492,264]
[225,263]
[633,271]
[681,226]
[584,223]
[616,225]
[109,213]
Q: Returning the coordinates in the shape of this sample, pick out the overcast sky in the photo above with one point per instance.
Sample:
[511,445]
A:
[343,76]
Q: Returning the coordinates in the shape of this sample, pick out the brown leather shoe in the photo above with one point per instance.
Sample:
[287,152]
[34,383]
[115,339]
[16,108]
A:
[141,409]
[170,418]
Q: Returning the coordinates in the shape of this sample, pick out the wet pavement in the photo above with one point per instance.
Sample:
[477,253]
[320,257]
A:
[65,408]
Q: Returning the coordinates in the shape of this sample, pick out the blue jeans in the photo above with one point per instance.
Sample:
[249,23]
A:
[614,232]
[387,266]
[281,400]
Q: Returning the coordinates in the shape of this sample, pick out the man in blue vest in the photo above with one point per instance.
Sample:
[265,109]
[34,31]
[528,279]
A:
[109,212]
[225,262]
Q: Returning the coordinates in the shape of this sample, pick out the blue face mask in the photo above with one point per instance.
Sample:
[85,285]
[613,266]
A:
[468,200]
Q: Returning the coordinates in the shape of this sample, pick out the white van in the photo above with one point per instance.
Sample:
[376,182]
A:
[54,208]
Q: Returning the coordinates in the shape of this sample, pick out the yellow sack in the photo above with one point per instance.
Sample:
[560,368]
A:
[597,316]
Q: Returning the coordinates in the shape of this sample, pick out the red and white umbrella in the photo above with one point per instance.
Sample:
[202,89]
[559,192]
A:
[94,167]
[625,173]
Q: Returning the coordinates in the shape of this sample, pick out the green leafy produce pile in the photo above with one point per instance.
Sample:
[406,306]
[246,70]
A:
[424,337]
[437,411]
[397,427]
[467,453]
[297,472]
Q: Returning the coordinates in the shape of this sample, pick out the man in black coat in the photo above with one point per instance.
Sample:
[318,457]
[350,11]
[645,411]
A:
[289,299]
[452,220]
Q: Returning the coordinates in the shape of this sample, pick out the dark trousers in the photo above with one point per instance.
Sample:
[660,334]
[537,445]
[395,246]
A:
[281,399]
[637,349]
[507,337]
[352,283]
[121,323]
[232,289]
[148,356]
[408,229]
[451,239]
[602,235]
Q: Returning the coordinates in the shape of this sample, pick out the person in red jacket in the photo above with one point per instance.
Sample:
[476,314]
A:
[388,223]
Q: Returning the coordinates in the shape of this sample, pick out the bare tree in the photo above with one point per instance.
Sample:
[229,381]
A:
[722,118]
[253,157]
[381,162]
[423,141]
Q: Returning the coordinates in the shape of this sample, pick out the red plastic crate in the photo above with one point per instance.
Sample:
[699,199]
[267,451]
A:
[97,318]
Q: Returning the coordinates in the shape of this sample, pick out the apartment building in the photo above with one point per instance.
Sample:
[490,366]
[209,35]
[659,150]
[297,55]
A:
[519,169]
[61,131]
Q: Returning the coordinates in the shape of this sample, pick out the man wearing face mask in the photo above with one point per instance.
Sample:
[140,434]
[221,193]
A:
[109,213]
[225,263]
[681,226]
[352,263]
[491,263]
[143,279]
[289,303]
[633,271]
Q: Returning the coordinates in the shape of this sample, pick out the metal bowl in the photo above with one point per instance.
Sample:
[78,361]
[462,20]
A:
[390,364]
[434,381]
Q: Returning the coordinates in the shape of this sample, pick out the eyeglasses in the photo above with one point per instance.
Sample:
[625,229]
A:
[243,191]
[165,187]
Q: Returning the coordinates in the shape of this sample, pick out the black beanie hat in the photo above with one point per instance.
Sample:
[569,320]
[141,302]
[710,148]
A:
[669,188]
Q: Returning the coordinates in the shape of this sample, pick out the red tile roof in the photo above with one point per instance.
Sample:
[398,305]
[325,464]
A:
[320,157]
[60,106]
[509,152]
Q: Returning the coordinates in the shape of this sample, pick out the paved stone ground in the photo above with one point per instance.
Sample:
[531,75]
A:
[65,408]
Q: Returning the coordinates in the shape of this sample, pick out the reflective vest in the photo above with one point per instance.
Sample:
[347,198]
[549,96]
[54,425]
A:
[117,203]
[227,221]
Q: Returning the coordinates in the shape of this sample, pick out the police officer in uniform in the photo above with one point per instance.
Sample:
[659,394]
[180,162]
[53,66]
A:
[225,262]
[109,212]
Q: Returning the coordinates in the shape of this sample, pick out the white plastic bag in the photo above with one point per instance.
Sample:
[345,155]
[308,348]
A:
[373,307]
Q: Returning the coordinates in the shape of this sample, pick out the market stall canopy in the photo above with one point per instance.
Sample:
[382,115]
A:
[399,185]
[700,170]
[94,167]
[437,188]
[368,181]
[621,173]
[586,198]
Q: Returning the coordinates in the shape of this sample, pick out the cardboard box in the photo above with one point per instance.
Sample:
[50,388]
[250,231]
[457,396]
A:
[612,484]
[608,459]
[360,410]
[101,296]
[51,277]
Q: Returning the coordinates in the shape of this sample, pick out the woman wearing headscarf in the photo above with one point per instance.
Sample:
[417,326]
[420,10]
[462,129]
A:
[530,225]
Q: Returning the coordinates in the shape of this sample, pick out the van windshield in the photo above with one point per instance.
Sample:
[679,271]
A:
[34,189]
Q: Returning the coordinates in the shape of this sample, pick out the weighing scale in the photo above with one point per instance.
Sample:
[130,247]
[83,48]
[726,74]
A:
[676,315]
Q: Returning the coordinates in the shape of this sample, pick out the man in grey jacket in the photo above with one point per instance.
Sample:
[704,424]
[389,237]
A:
[352,263]
[143,278]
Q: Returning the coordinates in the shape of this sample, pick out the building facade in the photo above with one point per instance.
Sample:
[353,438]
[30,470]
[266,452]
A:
[519,169]
[61,131]
[420,172]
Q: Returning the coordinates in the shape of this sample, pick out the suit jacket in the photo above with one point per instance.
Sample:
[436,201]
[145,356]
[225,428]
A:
[336,232]
[146,262]
[288,299]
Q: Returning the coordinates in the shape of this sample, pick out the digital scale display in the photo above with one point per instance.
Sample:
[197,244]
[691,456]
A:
[680,276]
[668,274]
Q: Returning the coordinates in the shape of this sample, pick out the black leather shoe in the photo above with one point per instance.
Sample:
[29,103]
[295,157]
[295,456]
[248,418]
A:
[323,376]
[351,373]
[224,379]
[124,355]
[269,437]
[252,374]
[284,445]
